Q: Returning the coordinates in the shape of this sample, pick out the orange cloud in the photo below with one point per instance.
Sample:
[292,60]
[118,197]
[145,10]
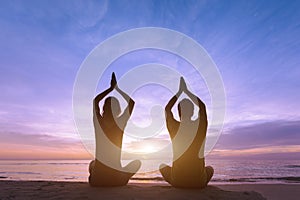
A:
[256,151]
[17,151]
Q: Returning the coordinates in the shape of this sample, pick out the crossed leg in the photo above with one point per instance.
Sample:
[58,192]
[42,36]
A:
[102,175]
[209,173]
[166,172]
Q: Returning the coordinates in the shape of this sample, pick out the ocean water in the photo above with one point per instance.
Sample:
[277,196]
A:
[226,171]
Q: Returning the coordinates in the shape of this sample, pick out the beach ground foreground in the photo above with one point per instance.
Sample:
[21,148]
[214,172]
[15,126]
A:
[81,190]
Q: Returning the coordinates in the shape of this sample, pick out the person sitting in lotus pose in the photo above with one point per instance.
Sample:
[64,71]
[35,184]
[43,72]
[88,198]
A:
[106,169]
[188,140]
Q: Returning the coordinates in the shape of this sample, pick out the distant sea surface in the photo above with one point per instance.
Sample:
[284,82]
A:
[226,171]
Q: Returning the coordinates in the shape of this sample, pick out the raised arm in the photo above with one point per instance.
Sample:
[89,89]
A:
[173,100]
[171,103]
[98,98]
[196,100]
[128,110]
[172,124]
[103,94]
[129,100]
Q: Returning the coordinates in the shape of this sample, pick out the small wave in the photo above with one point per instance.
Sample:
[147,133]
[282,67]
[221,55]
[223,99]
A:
[69,178]
[2,177]
[242,180]
[239,180]
[292,166]
[257,179]
[24,173]
[67,163]
[20,163]
[289,178]
[148,179]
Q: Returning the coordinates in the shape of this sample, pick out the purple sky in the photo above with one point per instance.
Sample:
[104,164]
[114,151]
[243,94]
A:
[256,46]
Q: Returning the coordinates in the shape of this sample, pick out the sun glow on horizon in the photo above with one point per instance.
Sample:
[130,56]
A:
[143,148]
[148,149]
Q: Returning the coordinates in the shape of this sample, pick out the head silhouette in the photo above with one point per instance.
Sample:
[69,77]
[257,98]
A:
[185,109]
[111,107]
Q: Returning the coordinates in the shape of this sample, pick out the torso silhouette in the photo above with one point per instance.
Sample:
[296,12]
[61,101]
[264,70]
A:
[107,170]
[109,136]
[189,135]
[188,141]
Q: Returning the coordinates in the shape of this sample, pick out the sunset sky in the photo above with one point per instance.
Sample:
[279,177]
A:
[255,45]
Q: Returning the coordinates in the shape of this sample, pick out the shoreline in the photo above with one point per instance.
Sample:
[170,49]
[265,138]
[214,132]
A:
[161,181]
[10,189]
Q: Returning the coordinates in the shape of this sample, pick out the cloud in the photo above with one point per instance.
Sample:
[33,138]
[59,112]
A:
[44,119]
[37,140]
[258,135]
[36,146]
[268,153]
[90,13]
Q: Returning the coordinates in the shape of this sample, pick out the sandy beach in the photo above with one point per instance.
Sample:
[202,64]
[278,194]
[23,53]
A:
[269,191]
[81,190]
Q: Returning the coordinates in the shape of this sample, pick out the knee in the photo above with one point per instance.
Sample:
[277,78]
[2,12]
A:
[136,165]
[133,166]
[165,171]
[210,169]
[91,166]
[209,172]
[163,168]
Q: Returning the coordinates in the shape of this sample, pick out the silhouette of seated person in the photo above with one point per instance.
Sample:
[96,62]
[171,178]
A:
[188,139]
[106,169]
